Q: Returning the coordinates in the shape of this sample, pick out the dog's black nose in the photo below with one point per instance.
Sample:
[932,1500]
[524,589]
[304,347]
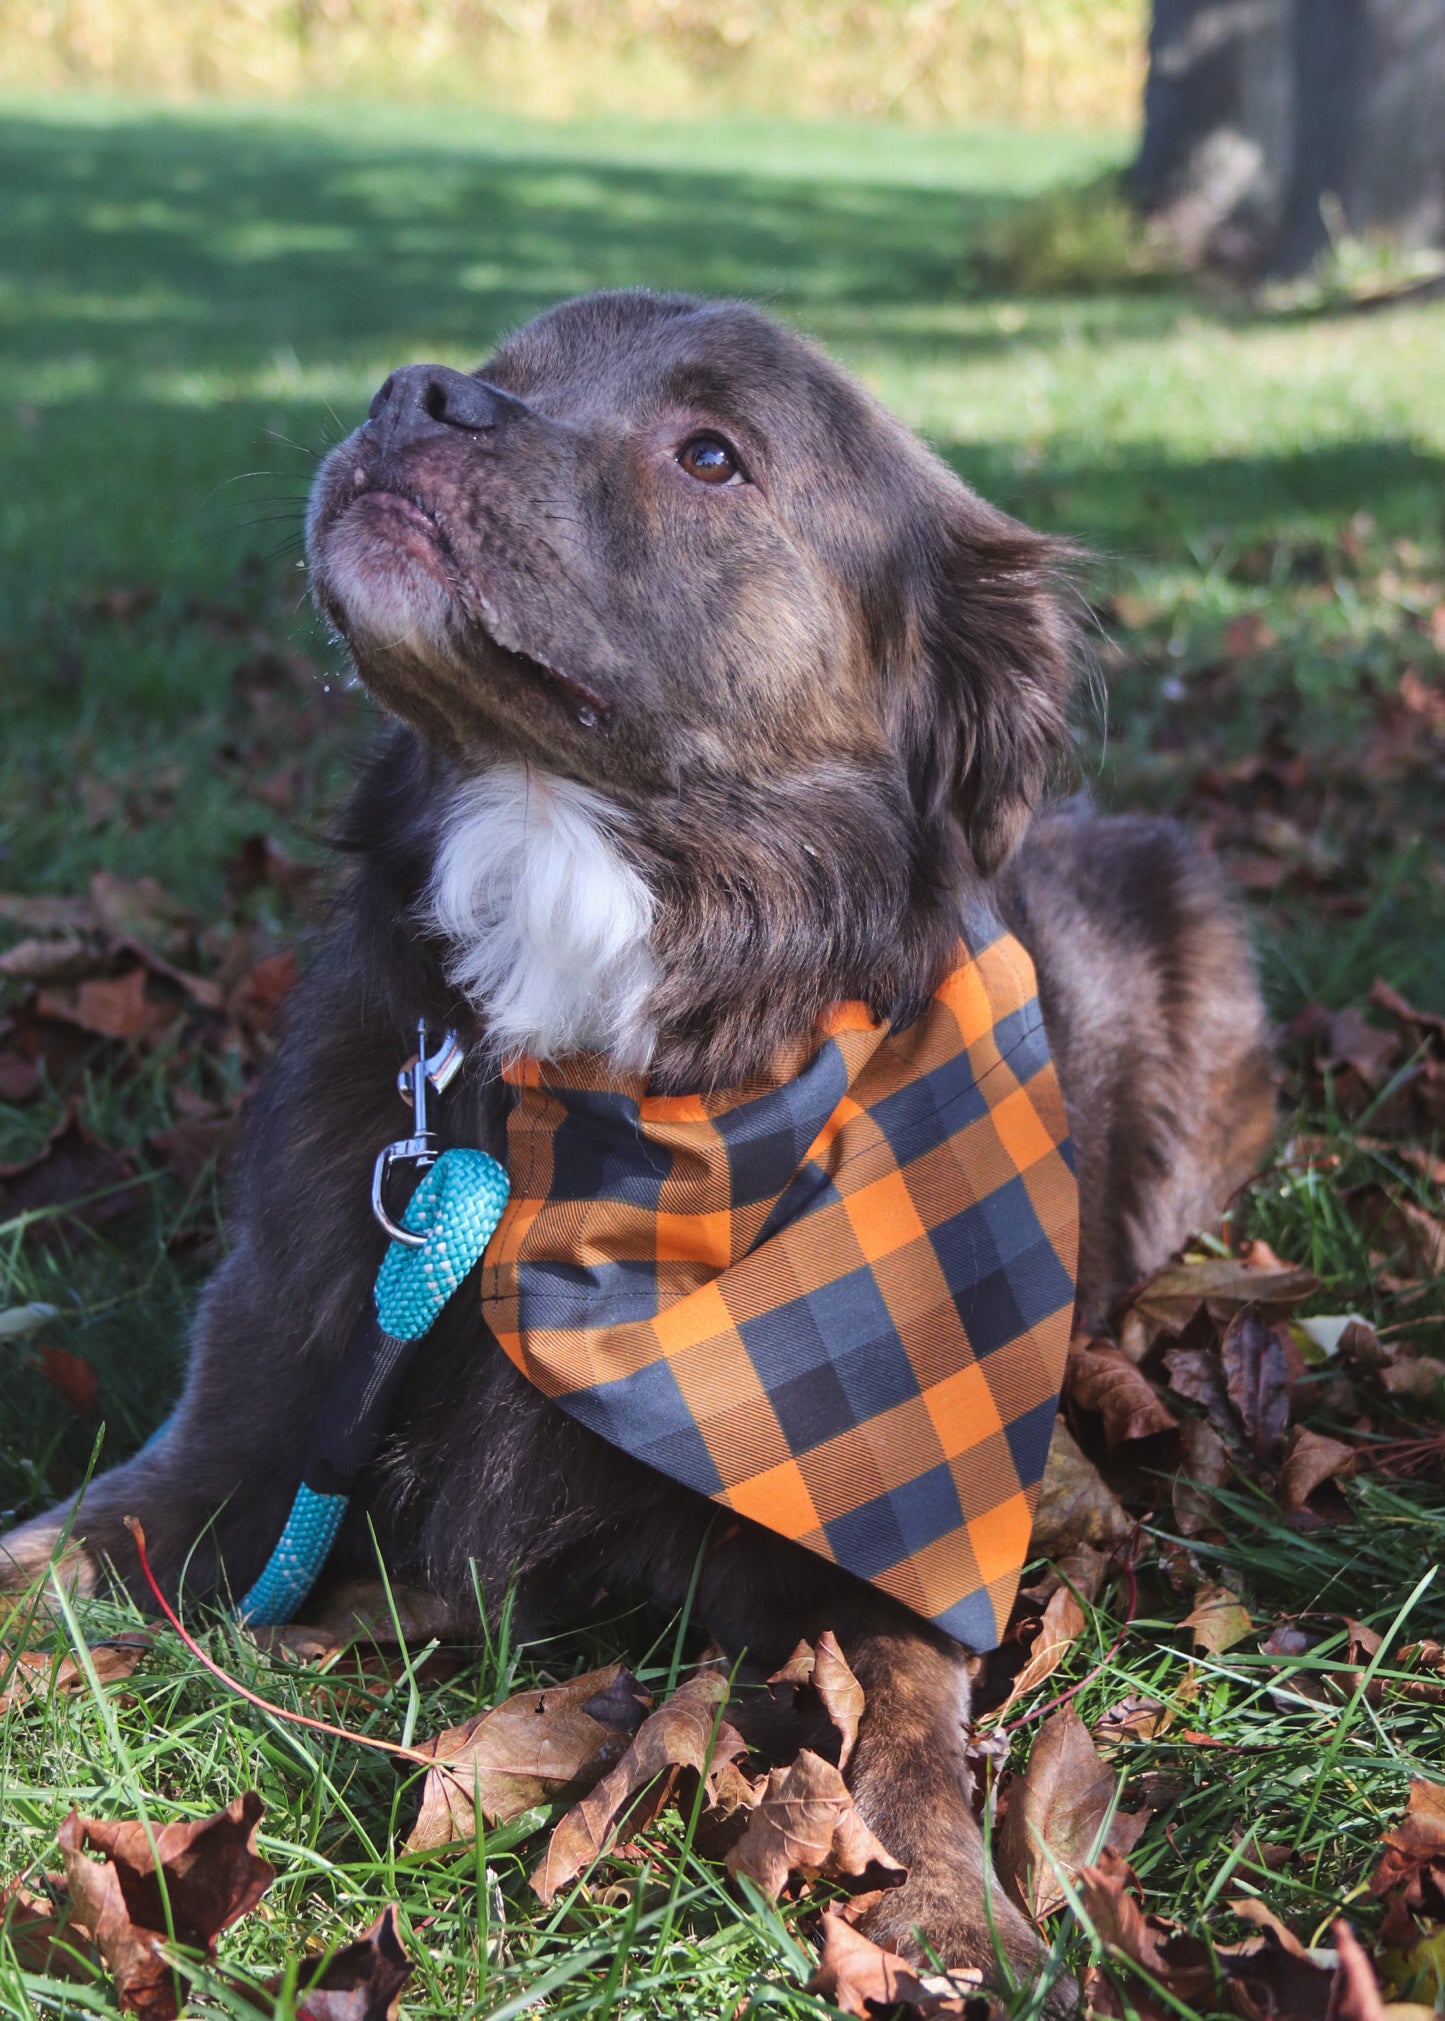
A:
[430,399]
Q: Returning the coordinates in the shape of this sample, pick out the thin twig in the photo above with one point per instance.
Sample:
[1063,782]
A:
[132,1523]
[1053,1704]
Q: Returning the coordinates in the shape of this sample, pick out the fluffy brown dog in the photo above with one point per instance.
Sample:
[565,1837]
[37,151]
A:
[717,697]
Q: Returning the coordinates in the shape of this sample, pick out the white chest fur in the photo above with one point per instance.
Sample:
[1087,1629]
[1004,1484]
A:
[547,920]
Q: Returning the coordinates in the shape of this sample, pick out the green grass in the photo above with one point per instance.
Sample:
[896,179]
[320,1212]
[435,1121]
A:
[192,306]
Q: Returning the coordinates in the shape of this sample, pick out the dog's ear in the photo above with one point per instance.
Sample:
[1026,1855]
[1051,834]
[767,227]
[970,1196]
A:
[998,648]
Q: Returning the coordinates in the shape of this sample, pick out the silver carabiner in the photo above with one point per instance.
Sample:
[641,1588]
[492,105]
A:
[436,1070]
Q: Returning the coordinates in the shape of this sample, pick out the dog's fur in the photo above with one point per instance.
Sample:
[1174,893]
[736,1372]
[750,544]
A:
[678,765]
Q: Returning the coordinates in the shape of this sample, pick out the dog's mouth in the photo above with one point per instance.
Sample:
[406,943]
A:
[398,525]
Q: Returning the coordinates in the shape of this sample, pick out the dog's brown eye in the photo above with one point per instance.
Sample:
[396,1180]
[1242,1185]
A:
[708,459]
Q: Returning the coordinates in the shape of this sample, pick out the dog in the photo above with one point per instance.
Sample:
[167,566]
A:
[716,698]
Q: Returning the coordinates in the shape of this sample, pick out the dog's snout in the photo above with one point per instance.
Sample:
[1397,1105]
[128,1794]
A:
[430,399]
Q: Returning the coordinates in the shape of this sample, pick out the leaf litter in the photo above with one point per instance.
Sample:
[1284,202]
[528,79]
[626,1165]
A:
[1226,1372]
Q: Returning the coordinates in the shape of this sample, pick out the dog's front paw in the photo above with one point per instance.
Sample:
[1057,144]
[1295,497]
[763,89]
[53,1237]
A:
[28,1554]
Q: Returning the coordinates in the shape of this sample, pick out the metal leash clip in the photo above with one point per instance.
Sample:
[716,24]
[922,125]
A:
[435,1070]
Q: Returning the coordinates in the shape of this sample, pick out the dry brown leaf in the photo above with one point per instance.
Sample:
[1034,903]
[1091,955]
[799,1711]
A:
[363,1981]
[41,1934]
[1100,1378]
[859,1977]
[825,1668]
[189,1149]
[523,1752]
[1412,1375]
[806,1823]
[32,1675]
[1387,999]
[1430,1655]
[1309,1460]
[1172,1296]
[136,908]
[1062,1624]
[1083,1568]
[1180,1962]
[1360,1998]
[45,913]
[688,1732]
[1256,1376]
[48,960]
[1250,1909]
[1218,1619]
[1133,1718]
[1268,1981]
[1055,1813]
[1203,1464]
[73,1167]
[1410,1878]
[113,1007]
[70,1376]
[212,1875]
[1075,1505]
[1198,1373]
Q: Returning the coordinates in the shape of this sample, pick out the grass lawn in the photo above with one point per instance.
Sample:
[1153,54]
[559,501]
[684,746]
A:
[193,305]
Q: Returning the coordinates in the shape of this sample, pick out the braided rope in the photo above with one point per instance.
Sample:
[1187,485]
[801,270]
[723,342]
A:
[456,1208]
[301,1550]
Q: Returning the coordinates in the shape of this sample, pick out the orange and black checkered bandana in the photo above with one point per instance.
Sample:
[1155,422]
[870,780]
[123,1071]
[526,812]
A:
[837,1301]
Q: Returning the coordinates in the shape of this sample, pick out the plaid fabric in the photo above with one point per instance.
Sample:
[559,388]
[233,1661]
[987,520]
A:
[838,1303]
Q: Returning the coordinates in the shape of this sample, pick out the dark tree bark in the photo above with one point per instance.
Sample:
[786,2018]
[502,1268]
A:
[1273,126]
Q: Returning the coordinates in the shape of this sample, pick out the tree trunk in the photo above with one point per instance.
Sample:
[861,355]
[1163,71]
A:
[1273,126]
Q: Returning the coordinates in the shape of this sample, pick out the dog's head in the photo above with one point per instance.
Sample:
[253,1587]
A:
[665,549]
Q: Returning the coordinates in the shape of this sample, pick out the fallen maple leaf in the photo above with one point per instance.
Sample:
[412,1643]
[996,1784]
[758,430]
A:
[1198,1373]
[1256,1376]
[41,1935]
[363,1981]
[70,1376]
[1204,1464]
[1101,1378]
[1169,1299]
[1180,1963]
[113,1007]
[31,1676]
[1359,1996]
[1410,1374]
[1410,1878]
[179,1884]
[1132,1718]
[859,1977]
[1076,1505]
[524,1752]
[1218,1619]
[824,1666]
[1056,1811]
[47,960]
[73,1168]
[805,1822]
[687,1732]
[1061,1626]
[1310,1459]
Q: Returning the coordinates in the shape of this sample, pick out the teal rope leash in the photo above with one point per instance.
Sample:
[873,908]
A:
[447,1225]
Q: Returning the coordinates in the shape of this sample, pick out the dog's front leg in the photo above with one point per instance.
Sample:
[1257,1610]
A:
[911,1782]
[214,1487]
